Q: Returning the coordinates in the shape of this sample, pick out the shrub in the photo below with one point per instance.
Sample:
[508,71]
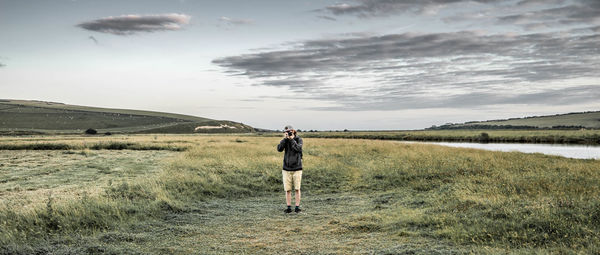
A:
[91,131]
[484,137]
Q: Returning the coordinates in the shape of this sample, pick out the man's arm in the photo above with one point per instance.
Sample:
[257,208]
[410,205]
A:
[281,145]
[297,146]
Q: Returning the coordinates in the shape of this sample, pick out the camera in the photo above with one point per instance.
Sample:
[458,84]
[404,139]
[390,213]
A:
[289,132]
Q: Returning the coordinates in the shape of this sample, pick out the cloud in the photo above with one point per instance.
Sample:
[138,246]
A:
[530,14]
[334,54]
[131,24]
[2,65]
[593,29]
[554,97]
[374,8]
[232,21]
[93,39]
[578,12]
[406,71]
[326,17]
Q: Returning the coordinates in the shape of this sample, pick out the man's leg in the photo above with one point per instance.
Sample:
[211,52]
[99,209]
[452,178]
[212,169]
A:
[288,197]
[287,186]
[297,197]
[297,183]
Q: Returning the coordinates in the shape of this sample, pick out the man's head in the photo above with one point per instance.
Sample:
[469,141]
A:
[290,130]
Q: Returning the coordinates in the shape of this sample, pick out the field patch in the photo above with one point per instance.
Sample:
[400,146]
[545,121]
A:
[29,178]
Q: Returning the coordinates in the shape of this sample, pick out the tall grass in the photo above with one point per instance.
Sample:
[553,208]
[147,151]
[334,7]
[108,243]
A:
[96,145]
[111,145]
[506,200]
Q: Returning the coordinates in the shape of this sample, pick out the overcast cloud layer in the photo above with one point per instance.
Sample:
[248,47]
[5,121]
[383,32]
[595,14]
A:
[130,24]
[429,70]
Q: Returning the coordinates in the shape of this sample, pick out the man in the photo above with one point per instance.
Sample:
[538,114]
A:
[292,166]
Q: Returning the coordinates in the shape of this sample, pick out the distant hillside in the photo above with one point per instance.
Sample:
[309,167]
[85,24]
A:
[576,120]
[38,117]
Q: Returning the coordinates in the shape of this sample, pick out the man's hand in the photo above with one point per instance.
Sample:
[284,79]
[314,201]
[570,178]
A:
[288,136]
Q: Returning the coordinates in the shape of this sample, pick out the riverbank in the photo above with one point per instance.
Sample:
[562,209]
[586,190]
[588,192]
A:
[473,136]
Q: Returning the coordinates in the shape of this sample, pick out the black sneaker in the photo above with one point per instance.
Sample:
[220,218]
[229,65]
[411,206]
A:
[297,210]
[289,210]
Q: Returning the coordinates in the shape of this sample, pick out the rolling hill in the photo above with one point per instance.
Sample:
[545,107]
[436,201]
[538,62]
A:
[577,120]
[40,117]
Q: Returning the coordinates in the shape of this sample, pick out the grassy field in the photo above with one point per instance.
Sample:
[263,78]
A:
[461,135]
[583,119]
[223,194]
[38,117]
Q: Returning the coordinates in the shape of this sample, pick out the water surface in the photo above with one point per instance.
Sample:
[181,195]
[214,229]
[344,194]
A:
[565,150]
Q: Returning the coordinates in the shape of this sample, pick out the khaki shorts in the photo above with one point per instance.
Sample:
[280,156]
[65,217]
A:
[290,177]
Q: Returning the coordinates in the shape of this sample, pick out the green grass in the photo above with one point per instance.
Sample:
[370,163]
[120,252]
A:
[223,195]
[584,119]
[37,117]
[27,177]
[112,144]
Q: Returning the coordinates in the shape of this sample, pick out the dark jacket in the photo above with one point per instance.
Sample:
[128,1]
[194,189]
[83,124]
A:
[292,158]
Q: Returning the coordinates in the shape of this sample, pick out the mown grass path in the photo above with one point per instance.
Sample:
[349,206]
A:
[257,225]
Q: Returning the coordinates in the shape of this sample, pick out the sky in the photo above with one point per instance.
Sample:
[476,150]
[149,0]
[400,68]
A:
[315,64]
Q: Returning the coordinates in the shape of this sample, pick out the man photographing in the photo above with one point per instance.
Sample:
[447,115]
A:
[292,165]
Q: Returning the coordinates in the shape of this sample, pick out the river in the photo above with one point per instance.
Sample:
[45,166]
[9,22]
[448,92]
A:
[565,150]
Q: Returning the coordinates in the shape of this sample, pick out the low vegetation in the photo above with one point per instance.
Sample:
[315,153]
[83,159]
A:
[493,136]
[72,143]
[223,195]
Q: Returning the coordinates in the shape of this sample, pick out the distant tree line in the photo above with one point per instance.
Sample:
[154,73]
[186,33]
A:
[569,127]
[452,126]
